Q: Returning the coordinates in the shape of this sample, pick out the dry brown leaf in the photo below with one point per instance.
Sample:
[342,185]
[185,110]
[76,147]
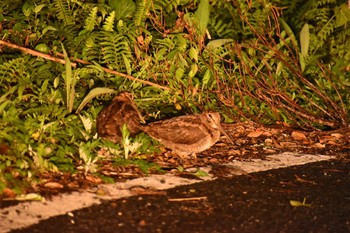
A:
[234,152]
[4,148]
[255,134]
[275,131]
[240,129]
[337,135]
[318,145]
[8,193]
[269,151]
[73,185]
[268,142]
[93,179]
[102,191]
[332,143]
[326,138]
[288,144]
[53,185]
[298,136]
[267,134]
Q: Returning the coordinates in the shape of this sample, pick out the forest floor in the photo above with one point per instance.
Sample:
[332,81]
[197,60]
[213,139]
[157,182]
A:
[235,189]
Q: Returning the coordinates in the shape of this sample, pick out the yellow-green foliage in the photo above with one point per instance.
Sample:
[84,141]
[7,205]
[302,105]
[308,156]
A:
[267,61]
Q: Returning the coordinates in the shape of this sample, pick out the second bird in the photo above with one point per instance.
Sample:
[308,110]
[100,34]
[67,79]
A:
[121,111]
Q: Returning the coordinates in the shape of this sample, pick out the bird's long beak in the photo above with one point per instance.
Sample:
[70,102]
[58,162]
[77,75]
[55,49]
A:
[132,102]
[226,134]
[142,120]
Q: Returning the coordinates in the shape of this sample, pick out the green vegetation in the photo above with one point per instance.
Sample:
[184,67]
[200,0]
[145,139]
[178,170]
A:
[268,61]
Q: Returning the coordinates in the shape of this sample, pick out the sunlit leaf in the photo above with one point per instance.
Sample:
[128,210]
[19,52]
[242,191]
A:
[201,16]
[304,40]
[92,94]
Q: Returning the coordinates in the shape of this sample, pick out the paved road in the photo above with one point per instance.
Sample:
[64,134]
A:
[258,202]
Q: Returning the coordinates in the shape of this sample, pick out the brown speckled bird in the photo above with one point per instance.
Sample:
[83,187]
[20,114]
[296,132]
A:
[121,111]
[189,134]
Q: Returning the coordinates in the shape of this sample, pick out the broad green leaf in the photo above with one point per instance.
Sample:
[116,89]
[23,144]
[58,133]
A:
[206,77]
[69,79]
[201,173]
[123,8]
[288,30]
[302,62]
[179,73]
[127,64]
[3,105]
[213,44]
[30,197]
[193,53]
[38,8]
[193,71]
[92,94]
[201,16]
[299,203]
[304,39]
[342,15]
[27,9]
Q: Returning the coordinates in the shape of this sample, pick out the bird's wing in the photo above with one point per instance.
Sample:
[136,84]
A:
[177,134]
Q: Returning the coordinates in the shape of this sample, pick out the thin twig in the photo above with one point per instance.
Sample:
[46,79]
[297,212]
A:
[188,199]
[36,53]
[62,61]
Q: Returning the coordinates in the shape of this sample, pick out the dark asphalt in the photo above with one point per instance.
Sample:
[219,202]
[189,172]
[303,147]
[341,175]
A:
[258,202]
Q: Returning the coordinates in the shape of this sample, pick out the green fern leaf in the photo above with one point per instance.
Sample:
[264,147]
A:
[90,21]
[63,11]
[114,46]
[142,8]
[108,25]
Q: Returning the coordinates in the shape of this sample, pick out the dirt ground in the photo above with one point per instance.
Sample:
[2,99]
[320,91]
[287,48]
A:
[270,201]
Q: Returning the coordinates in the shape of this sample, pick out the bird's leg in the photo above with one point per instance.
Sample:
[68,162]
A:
[184,156]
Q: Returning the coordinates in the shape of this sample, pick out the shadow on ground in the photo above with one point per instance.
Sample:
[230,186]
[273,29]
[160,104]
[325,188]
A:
[258,202]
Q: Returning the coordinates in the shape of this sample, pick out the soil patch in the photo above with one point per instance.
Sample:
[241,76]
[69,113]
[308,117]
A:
[258,202]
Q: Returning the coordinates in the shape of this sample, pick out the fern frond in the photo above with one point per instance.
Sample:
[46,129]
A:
[91,21]
[108,24]
[70,33]
[15,72]
[219,28]
[142,8]
[168,6]
[113,48]
[12,68]
[326,31]
[324,2]
[63,11]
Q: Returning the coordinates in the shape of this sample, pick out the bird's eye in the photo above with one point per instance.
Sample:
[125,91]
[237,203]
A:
[210,117]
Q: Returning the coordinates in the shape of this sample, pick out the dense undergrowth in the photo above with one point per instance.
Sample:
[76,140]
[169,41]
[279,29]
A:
[268,61]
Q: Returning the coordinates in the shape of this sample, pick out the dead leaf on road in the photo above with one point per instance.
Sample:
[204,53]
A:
[298,136]
[255,134]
